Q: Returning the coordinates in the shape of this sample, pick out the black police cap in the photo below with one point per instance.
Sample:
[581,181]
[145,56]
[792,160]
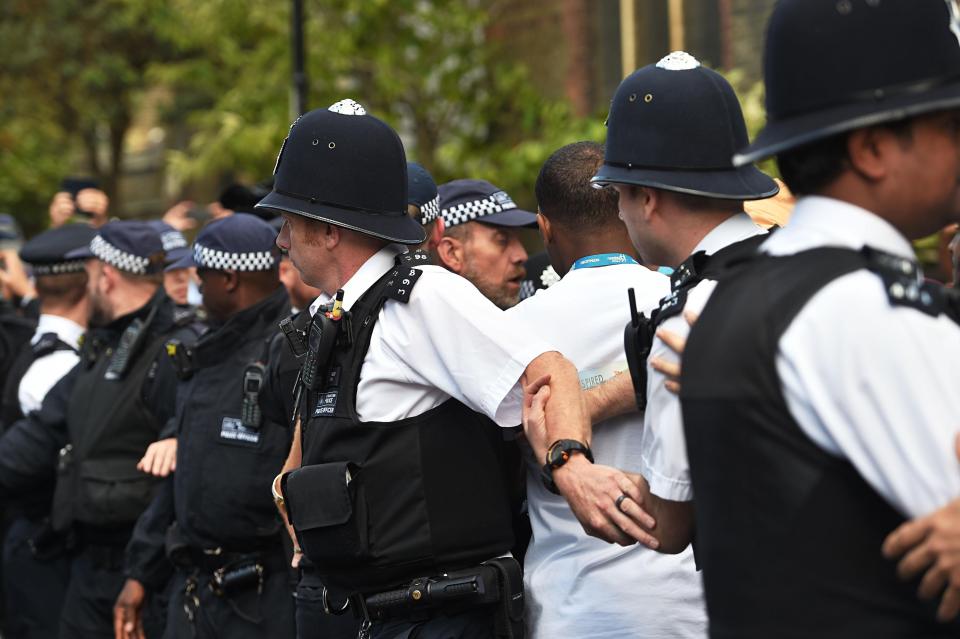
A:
[675,125]
[422,192]
[47,253]
[344,167]
[127,245]
[832,66]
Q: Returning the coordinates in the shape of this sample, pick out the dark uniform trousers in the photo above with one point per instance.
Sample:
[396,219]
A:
[198,612]
[472,624]
[312,621]
[35,588]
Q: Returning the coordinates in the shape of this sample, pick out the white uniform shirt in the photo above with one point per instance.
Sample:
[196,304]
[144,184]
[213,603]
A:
[447,341]
[664,449]
[868,381]
[576,585]
[47,371]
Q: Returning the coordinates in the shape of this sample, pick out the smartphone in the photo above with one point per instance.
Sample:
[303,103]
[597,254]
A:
[73,186]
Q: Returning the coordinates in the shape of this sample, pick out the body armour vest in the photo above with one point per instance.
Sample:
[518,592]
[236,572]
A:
[109,428]
[35,502]
[232,435]
[27,355]
[378,504]
[788,535]
[639,333]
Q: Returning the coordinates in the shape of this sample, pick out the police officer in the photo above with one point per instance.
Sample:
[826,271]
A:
[102,416]
[578,586]
[822,417]
[480,240]
[672,132]
[176,272]
[17,323]
[232,435]
[399,501]
[36,567]
[423,204]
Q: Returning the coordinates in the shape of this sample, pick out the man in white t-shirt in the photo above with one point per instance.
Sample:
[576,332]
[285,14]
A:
[577,585]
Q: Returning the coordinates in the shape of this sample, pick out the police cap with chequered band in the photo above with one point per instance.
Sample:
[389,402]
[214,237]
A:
[127,245]
[422,192]
[675,125]
[238,242]
[832,66]
[47,253]
[464,201]
[175,245]
[344,167]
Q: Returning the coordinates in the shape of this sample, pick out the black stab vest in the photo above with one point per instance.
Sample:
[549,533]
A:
[377,504]
[35,502]
[788,535]
[28,354]
[223,464]
[639,333]
[110,428]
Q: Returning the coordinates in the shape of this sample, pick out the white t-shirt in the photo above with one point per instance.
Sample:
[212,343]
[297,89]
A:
[47,371]
[576,585]
[447,341]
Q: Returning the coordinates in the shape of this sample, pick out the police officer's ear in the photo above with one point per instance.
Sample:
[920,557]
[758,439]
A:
[543,223]
[870,150]
[231,281]
[451,253]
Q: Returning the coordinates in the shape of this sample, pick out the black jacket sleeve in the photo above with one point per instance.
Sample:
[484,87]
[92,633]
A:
[29,447]
[146,557]
[160,388]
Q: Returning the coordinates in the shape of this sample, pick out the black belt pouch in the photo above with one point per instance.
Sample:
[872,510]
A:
[326,506]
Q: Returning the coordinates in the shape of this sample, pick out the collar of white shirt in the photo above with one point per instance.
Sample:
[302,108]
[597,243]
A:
[365,277]
[66,329]
[733,229]
[822,221]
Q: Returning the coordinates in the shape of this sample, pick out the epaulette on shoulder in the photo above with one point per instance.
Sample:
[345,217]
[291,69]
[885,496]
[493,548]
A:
[49,343]
[405,275]
[904,284]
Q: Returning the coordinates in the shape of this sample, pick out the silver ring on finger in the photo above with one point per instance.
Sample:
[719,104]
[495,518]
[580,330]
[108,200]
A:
[619,501]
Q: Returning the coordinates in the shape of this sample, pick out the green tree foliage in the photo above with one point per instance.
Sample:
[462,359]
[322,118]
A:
[75,74]
[71,76]
[425,67]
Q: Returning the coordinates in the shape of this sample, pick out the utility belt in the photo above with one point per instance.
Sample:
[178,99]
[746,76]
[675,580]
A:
[497,583]
[229,572]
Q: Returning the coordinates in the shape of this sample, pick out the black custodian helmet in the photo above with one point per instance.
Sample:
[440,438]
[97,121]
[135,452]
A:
[344,167]
[675,125]
[831,66]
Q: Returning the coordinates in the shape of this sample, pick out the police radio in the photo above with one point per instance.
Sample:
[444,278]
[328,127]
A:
[321,338]
[130,342]
[637,341]
[250,415]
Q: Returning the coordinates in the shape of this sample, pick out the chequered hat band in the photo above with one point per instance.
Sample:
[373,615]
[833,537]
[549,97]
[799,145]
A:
[58,268]
[430,210]
[206,257]
[118,258]
[469,211]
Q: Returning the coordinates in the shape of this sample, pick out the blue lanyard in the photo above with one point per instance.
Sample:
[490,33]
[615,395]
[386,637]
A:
[603,259]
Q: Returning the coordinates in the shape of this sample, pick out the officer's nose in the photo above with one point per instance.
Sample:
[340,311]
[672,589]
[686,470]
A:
[283,238]
[517,252]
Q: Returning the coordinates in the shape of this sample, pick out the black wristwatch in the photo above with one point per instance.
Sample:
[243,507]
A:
[559,454]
